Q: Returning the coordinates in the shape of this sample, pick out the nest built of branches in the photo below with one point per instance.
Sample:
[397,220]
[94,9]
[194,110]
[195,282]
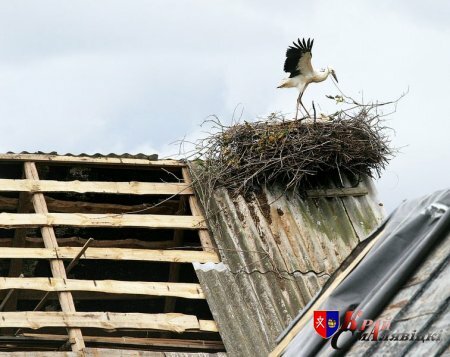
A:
[293,152]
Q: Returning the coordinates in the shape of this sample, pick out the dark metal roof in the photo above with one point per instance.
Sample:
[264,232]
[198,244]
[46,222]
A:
[278,250]
[422,305]
[403,278]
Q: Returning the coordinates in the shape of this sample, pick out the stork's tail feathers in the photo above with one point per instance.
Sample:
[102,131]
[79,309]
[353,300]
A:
[286,83]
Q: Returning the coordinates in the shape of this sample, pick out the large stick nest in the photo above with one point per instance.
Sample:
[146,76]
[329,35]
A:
[242,156]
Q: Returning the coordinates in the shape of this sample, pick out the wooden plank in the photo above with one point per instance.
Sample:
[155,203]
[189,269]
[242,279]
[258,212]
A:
[16,265]
[184,290]
[17,220]
[35,296]
[208,325]
[111,352]
[90,160]
[105,320]
[137,341]
[36,242]
[196,210]
[337,192]
[8,203]
[128,188]
[65,206]
[8,296]
[56,265]
[174,269]
[282,345]
[178,256]
[40,354]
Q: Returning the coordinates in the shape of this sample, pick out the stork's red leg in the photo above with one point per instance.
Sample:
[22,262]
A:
[300,100]
[298,105]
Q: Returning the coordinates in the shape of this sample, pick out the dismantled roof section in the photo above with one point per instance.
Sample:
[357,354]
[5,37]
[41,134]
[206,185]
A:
[153,278]
[96,256]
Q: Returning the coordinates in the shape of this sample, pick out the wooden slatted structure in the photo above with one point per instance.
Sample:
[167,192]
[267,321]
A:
[142,227]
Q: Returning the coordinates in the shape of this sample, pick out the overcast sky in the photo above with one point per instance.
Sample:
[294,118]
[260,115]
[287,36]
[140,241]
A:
[134,76]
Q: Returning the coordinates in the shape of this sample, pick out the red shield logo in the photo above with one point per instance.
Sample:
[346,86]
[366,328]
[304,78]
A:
[326,323]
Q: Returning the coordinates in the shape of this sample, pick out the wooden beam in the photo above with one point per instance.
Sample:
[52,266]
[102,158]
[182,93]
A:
[178,256]
[208,325]
[137,341]
[41,354]
[35,296]
[111,352]
[36,242]
[174,269]
[183,290]
[8,296]
[196,210]
[123,188]
[106,320]
[17,220]
[65,206]
[71,265]
[90,160]
[16,265]
[8,203]
[56,265]
[337,192]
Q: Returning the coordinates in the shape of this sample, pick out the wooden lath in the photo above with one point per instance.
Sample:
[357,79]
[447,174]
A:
[122,188]
[337,192]
[173,322]
[196,210]
[64,206]
[110,214]
[115,161]
[56,265]
[183,290]
[143,342]
[19,240]
[16,220]
[36,242]
[174,256]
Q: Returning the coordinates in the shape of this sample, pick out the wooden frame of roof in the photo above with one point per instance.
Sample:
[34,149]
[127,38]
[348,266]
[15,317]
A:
[44,205]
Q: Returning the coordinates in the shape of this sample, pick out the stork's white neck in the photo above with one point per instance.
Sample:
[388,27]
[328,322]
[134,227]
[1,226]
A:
[321,76]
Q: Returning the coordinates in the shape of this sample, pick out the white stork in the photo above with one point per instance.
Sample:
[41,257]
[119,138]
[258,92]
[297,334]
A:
[298,64]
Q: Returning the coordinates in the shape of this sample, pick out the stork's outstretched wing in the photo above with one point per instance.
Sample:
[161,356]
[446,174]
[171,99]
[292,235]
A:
[298,58]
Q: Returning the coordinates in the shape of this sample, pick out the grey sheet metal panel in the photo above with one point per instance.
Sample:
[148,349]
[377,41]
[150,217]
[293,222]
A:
[278,249]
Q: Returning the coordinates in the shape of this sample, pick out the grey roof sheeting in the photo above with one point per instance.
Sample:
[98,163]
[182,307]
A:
[404,278]
[277,250]
[96,155]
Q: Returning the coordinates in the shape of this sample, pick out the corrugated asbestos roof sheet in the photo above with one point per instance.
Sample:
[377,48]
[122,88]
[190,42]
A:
[190,354]
[277,249]
[96,155]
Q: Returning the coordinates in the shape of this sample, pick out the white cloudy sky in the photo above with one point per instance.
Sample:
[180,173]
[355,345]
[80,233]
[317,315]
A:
[132,76]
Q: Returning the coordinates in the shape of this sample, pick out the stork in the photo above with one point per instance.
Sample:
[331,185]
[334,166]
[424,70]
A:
[298,64]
